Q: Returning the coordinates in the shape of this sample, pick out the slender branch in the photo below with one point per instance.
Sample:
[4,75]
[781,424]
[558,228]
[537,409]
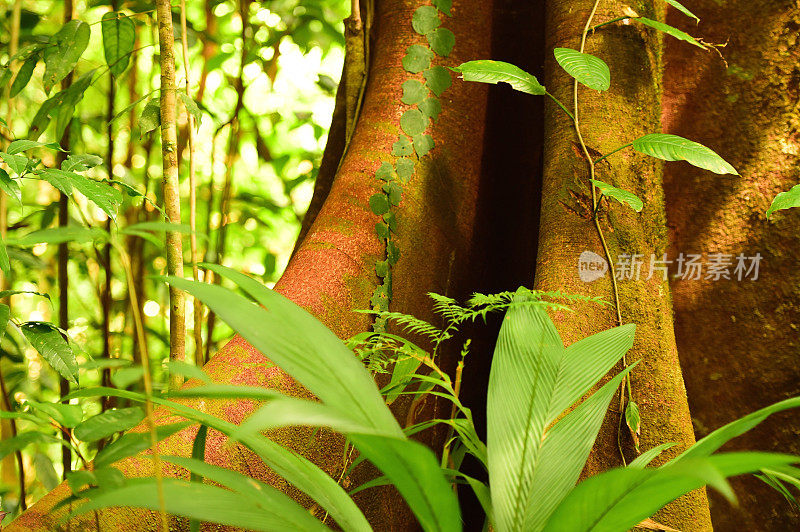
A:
[612,153]
[196,305]
[171,187]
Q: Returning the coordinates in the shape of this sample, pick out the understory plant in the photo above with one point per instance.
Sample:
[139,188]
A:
[541,427]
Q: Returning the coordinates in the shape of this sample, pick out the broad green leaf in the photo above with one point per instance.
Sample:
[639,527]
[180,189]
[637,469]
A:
[133,443]
[65,48]
[487,71]
[191,108]
[521,382]
[9,186]
[441,41]
[444,6]
[437,79]
[295,469]
[17,163]
[65,415]
[414,92]
[413,122]
[60,179]
[416,474]
[70,98]
[586,68]
[677,5]
[417,58]
[150,118]
[42,118]
[425,19]
[45,473]
[405,169]
[194,500]
[669,30]
[298,343]
[101,477]
[431,108]
[675,148]
[722,435]
[108,423]
[58,235]
[634,421]
[21,441]
[379,203]
[81,162]
[119,36]
[254,492]
[100,193]
[403,147]
[124,377]
[784,200]
[644,459]
[564,453]
[621,498]
[23,75]
[621,195]
[49,342]
[18,146]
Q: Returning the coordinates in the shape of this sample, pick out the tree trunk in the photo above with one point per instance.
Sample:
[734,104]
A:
[738,340]
[609,119]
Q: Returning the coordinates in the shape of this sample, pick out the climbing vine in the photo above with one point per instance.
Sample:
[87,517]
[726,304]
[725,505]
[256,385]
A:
[421,94]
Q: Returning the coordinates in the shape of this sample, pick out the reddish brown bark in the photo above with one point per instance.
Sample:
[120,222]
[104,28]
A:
[738,340]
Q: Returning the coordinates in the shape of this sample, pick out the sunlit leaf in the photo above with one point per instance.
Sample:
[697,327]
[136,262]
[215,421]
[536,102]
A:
[23,75]
[487,71]
[671,31]
[586,68]
[785,200]
[621,195]
[107,423]
[53,347]
[119,36]
[9,186]
[65,48]
[65,415]
[150,118]
[675,148]
[133,443]
[680,7]
[21,441]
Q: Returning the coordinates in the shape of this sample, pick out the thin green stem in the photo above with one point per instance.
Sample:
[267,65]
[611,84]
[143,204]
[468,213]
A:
[563,107]
[606,23]
[612,152]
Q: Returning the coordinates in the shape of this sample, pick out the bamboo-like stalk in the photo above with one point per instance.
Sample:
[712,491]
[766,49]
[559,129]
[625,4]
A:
[196,305]
[172,200]
[63,253]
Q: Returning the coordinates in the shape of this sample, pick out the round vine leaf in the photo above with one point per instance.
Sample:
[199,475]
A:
[392,253]
[586,68]
[431,108]
[425,19]
[382,230]
[442,41]
[405,169]
[438,79]
[444,6]
[675,148]
[381,268]
[384,172]
[417,58]
[402,148]
[487,71]
[423,144]
[622,196]
[414,92]
[413,122]
[785,200]
[380,299]
[394,192]
[391,221]
[379,203]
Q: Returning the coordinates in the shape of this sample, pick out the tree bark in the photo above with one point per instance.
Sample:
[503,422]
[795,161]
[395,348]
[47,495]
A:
[738,340]
[629,109]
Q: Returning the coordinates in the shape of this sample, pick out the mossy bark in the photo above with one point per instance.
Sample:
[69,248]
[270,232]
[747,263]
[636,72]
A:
[739,340]
[332,272]
[609,119]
